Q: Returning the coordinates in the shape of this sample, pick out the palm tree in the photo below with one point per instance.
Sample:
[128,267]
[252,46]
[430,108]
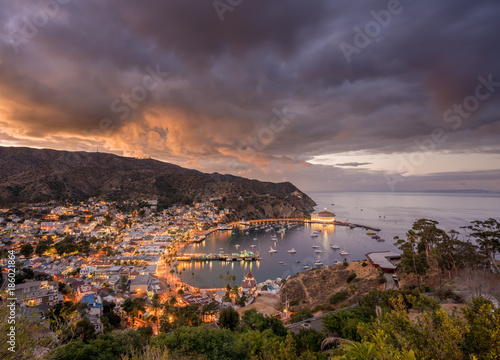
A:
[359,351]
[156,304]
[123,283]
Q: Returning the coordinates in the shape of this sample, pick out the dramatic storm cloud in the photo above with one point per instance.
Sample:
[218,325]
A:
[331,95]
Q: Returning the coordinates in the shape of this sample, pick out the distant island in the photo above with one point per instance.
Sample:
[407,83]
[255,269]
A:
[464,191]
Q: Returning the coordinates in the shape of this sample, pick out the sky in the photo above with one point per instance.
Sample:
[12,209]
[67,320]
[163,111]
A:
[337,95]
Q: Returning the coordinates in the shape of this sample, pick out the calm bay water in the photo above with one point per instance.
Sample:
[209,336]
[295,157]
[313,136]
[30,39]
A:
[393,213]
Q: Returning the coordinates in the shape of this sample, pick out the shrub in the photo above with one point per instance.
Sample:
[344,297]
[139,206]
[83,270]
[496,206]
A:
[294,302]
[317,308]
[338,297]
[364,264]
[381,280]
[351,277]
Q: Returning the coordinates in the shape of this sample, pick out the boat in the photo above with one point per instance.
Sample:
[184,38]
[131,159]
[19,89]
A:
[306,267]
[324,224]
[284,264]
[335,246]
[376,237]
[253,245]
[343,253]
[255,239]
[314,235]
[292,251]
[317,251]
[379,239]
[280,262]
[273,250]
[318,263]
[297,261]
[352,226]
[247,233]
[237,246]
[370,233]
[337,262]
[315,246]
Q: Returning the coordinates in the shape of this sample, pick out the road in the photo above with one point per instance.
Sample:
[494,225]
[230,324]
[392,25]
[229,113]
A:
[390,284]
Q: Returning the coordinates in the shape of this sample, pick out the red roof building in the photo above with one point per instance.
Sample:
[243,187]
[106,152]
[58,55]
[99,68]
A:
[249,285]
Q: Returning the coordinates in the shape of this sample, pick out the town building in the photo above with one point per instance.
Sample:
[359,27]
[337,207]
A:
[324,216]
[249,285]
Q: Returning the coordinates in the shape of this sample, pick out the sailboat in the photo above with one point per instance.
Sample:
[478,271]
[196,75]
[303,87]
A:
[273,250]
[292,251]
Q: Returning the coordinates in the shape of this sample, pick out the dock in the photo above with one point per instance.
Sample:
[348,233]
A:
[244,256]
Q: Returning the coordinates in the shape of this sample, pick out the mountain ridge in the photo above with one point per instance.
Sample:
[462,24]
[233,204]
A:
[39,175]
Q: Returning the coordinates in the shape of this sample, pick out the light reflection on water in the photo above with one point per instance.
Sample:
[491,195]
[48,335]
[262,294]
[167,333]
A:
[394,213]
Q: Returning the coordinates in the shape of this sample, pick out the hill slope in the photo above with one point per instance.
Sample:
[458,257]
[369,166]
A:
[38,175]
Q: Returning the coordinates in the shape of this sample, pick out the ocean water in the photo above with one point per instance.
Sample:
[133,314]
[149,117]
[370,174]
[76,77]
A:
[393,213]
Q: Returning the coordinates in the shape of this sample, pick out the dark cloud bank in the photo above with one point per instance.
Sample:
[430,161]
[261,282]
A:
[259,92]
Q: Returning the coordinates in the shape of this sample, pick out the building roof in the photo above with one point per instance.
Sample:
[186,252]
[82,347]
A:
[249,275]
[91,300]
[326,214]
[248,284]
[141,280]
[382,259]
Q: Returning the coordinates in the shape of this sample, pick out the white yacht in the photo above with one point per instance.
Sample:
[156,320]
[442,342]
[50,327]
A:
[292,251]
[318,263]
[343,253]
[314,235]
[335,246]
[273,250]
[315,246]
[317,251]
[255,239]
[253,245]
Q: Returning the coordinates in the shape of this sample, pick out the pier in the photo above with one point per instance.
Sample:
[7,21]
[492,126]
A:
[261,222]
[244,256]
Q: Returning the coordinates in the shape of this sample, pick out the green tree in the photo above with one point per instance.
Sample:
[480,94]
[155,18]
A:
[41,247]
[26,250]
[302,314]
[229,318]
[487,235]
[344,323]
[84,330]
[483,336]
[434,335]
